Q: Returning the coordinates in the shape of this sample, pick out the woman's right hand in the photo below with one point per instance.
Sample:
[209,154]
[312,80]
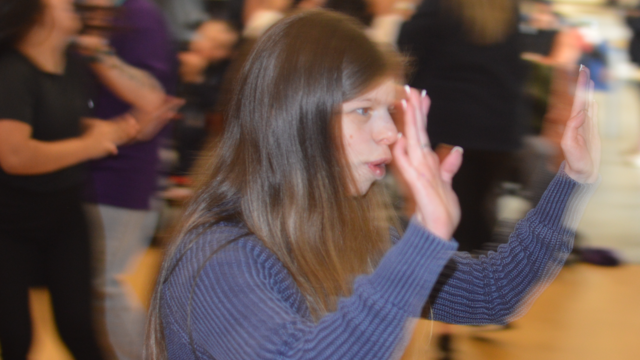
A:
[437,206]
[104,137]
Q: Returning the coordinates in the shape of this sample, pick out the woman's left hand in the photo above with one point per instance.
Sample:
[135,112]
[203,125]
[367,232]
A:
[581,141]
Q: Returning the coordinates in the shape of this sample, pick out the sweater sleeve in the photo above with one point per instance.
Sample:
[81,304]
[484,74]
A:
[238,308]
[501,286]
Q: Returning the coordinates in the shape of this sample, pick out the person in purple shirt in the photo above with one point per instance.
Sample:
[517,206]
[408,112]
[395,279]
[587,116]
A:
[121,194]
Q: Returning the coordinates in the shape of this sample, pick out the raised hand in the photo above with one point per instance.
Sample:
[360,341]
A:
[106,136]
[151,123]
[581,141]
[437,206]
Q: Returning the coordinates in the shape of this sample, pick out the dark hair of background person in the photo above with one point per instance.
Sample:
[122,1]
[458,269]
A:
[17,17]
[484,22]
[280,168]
[355,8]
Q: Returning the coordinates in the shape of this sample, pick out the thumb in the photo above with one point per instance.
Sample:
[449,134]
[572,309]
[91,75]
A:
[131,121]
[451,164]
[112,149]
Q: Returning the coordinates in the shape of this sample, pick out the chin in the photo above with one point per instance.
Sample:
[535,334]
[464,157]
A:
[364,187]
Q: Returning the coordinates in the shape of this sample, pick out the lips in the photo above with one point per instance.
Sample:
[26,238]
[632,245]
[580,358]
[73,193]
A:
[378,168]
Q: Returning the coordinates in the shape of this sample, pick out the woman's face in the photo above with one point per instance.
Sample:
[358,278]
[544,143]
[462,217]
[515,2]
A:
[368,131]
[62,15]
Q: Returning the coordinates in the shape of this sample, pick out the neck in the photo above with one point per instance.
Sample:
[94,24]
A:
[46,49]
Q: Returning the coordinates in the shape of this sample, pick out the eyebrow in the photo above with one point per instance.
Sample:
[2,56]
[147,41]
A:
[362,100]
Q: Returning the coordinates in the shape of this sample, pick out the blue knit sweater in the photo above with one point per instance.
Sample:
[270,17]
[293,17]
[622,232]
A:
[245,305]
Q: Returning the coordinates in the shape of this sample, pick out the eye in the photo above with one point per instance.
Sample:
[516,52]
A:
[366,111]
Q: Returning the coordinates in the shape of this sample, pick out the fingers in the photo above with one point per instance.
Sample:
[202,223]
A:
[172,104]
[591,111]
[451,164]
[127,129]
[580,100]
[411,133]
[582,122]
[571,130]
[403,161]
[415,107]
[426,104]
[416,102]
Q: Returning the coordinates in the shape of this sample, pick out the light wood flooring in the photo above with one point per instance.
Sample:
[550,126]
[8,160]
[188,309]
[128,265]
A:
[588,313]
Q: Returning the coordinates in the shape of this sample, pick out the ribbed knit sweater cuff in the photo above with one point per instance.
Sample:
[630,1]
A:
[405,276]
[564,201]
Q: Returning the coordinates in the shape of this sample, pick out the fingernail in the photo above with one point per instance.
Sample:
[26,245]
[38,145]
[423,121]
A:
[424,93]
[407,89]
[581,67]
[404,104]
[458,148]
[399,135]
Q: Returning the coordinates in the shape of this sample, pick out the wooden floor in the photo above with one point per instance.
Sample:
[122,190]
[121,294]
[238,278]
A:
[588,313]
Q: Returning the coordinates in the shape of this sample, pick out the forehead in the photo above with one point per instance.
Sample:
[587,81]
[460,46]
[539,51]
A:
[383,91]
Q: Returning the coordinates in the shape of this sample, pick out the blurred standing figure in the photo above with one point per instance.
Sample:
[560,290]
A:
[202,70]
[467,58]
[124,185]
[183,17]
[43,231]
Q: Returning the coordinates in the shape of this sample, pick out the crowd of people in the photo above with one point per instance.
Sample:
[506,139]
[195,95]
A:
[283,117]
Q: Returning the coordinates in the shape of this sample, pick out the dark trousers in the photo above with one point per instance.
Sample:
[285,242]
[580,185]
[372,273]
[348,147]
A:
[476,184]
[44,240]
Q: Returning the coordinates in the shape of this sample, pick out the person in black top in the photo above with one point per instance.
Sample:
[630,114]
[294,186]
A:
[467,58]
[43,143]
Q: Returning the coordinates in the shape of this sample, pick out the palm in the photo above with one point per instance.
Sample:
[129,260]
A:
[580,141]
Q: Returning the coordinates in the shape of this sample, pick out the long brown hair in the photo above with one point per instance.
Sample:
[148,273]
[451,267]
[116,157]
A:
[280,167]
[485,22]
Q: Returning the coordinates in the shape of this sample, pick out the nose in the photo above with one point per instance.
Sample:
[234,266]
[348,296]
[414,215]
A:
[386,133]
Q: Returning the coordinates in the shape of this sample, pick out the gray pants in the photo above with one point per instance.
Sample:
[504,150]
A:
[121,235]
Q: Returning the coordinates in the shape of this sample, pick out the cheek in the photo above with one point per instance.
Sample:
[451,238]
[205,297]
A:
[355,137]
[351,142]
[356,148]
[349,147]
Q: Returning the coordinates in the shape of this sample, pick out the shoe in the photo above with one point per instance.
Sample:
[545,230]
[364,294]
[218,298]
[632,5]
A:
[444,347]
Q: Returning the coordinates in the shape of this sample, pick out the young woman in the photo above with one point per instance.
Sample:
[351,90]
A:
[283,253]
[43,233]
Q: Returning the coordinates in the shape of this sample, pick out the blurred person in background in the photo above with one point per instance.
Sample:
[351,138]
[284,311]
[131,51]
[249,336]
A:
[123,209]
[202,69]
[552,50]
[633,21]
[282,252]
[43,143]
[466,55]
[467,58]
[184,17]
[382,17]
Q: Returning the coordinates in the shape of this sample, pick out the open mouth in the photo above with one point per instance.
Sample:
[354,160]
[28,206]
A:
[378,168]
